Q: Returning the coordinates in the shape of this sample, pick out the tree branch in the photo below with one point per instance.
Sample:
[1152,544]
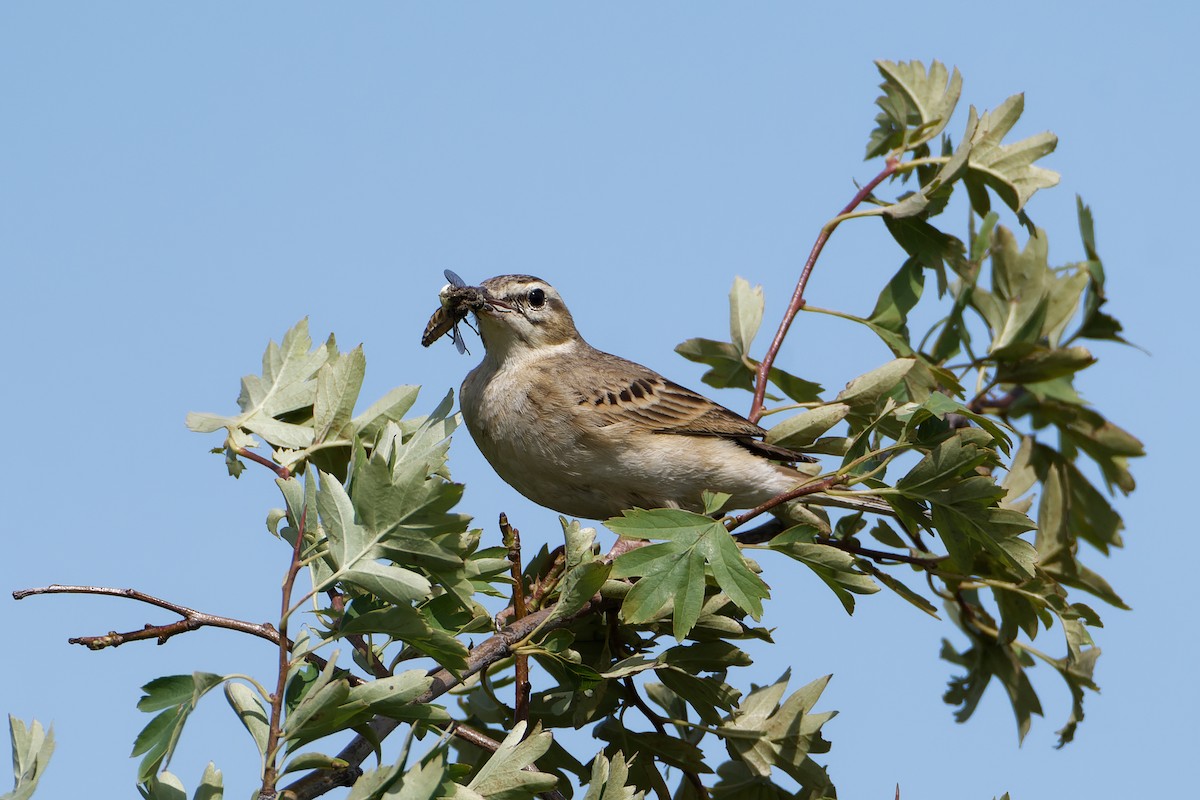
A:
[192,619]
[800,491]
[270,775]
[491,650]
[797,301]
[511,537]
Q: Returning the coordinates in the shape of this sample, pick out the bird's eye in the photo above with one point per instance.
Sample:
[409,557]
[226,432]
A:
[537,298]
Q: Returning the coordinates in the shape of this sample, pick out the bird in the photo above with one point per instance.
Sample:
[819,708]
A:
[590,434]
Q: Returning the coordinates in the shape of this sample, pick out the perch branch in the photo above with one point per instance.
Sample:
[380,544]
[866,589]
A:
[511,538]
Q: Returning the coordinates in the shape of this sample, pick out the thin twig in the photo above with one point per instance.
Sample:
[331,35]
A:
[192,619]
[800,491]
[879,556]
[547,583]
[361,645]
[270,774]
[797,301]
[280,470]
[511,537]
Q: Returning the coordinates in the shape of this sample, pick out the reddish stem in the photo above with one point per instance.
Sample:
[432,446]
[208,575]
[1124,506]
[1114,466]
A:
[280,470]
[797,302]
[270,774]
[780,499]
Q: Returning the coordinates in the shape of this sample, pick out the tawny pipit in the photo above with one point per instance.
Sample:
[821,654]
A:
[590,434]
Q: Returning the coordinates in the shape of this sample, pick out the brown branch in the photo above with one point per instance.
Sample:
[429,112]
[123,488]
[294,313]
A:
[541,587]
[800,491]
[192,619]
[488,652]
[797,301]
[511,538]
[769,530]
[270,772]
[879,556]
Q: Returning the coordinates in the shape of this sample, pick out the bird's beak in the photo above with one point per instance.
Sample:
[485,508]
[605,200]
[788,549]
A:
[493,304]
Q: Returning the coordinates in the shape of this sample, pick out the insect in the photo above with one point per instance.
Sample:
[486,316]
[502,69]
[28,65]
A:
[458,300]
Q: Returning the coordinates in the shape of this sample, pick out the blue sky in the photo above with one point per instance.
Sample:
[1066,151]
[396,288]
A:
[181,183]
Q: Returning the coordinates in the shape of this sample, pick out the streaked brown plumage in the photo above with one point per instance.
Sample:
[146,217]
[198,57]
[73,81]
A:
[590,434]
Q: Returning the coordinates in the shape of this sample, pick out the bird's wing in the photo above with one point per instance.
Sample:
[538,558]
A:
[625,392]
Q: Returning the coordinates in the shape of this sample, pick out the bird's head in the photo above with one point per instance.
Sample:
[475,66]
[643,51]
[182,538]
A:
[523,314]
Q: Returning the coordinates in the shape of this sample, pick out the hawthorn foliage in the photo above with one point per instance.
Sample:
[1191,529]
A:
[992,479]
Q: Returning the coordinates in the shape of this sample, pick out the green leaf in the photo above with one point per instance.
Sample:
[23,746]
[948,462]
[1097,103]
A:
[984,661]
[211,786]
[1008,170]
[964,505]
[797,389]
[906,218]
[504,776]
[403,499]
[899,297]
[163,786]
[338,383]
[864,392]
[32,748]
[321,709]
[948,464]
[1021,281]
[730,368]
[651,747]
[803,429]
[1043,364]
[673,573]
[928,246]
[389,408]
[609,780]
[745,313]
[306,761]
[251,712]
[672,578]
[353,548]
[374,784]
[178,695]
[429,780]
[915,107]
[705,657]
[408,625]
[393,696]
[838,569]
[287,384]
[579,542]
[709,696]
[900,588]
[578,587]
[764,732]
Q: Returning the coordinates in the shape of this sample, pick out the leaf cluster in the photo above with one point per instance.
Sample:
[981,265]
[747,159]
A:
[985,402]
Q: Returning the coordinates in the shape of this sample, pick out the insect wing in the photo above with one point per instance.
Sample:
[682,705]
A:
[453,278]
